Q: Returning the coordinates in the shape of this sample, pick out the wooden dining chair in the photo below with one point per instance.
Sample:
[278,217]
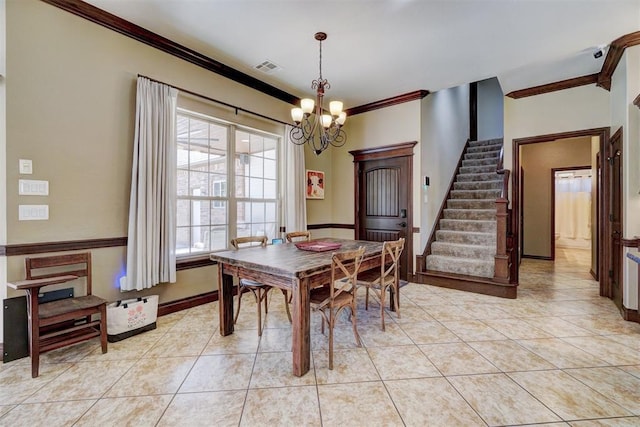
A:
[387,278]
[64,321]
[259,290]
[330,300]
[298,236]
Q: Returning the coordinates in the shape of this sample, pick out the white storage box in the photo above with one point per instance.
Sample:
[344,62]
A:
[131,317]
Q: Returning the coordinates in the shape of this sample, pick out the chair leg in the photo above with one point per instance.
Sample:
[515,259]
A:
[331,325]
[286,304]
[103,327]
[354,322]
[396,299]
[259,308]
[382,294]
[366,300]
[235,319]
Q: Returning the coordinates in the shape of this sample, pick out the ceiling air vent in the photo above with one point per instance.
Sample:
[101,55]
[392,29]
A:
[268,67]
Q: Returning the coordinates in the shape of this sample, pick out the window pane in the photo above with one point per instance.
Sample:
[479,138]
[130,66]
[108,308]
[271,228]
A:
[256,168]
[183,244]
[219,239]
[270,169]
[270,146]
[243,214]
[183,155]
[219,212]
[255,187]
[270,189]
[198,184]
[270,212]
[270,230]
[257,212]
[182,183]
[257,145]
[183,213]
[259,230]
[200,212]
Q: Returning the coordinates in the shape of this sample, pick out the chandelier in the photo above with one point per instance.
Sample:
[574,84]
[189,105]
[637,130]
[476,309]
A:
[318,129]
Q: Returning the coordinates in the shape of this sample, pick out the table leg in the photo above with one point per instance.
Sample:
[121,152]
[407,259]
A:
[301,338]
[225,301]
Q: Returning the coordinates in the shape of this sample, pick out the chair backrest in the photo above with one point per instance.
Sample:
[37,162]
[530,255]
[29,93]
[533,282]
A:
[239,242]
[389,268]
[347,264]
[58,265]
[298,236]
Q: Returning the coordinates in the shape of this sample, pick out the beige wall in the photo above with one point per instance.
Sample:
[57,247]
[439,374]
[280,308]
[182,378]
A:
[537,160]
[70,109]
[393,125]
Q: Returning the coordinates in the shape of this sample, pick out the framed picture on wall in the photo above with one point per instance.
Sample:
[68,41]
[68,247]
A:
[315,184]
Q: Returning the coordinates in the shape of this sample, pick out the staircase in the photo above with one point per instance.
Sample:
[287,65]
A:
[465,241]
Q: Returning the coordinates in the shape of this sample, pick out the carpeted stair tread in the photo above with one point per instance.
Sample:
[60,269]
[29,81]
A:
[481,226]
[466,237]
[466,266]
[471,203]
[493,193]
[480,214]
[480,162]
[465,251]
[477,169]
[478,185]
[486,176]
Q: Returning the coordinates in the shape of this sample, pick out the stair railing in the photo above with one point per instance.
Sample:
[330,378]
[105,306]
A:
[504,239]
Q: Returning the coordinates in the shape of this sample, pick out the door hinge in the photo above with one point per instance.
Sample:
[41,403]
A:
[611,217]
[610,274]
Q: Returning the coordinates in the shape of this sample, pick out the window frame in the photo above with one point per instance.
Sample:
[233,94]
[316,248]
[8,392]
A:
[231,200]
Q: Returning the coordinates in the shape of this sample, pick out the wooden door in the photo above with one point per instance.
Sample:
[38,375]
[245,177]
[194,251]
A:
[383,199]
[614,166]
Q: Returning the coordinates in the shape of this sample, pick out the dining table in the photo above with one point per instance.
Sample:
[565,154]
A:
[286,266]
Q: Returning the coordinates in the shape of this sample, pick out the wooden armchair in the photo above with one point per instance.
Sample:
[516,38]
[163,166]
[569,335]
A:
[65,321]
[298,236]
[259,290]
[331,300]
[386,278]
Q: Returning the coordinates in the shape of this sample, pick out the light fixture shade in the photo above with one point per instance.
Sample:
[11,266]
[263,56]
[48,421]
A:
[335,107]
[342,117]
[307,105]
[296,114]
[326,121]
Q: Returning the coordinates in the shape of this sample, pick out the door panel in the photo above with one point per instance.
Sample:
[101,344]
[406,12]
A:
[615,217]
[383,207]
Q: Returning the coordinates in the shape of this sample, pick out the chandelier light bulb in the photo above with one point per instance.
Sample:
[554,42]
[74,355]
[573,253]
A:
[307,105]
[297,114]
[335,107]
[342,117]
[326,121]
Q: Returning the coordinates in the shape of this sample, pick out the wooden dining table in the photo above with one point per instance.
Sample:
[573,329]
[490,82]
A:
[284,266]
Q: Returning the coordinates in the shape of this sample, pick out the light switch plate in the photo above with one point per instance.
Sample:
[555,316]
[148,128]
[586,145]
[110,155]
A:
[31,187]
[26,166]
[33,212]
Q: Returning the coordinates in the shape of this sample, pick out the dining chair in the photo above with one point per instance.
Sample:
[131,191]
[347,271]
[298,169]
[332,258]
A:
[387,278]
[68,319]
[259,290]
[330,300]
[298,236]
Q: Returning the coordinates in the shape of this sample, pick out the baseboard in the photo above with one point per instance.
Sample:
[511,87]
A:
[185,303]
[544,258]
[630,314]
[467,283]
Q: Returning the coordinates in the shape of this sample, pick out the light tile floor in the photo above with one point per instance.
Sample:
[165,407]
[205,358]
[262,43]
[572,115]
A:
[557,355]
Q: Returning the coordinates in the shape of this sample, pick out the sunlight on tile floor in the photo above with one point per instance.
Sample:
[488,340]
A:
[557,355]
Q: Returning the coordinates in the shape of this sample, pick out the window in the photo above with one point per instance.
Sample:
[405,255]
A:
[214,157]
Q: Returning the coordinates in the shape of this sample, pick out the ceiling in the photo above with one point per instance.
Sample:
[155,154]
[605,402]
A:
[378,49]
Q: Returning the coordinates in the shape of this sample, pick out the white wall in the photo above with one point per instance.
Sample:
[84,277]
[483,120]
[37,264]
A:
[624,88]
[490,110]
[3,159]
[445,130]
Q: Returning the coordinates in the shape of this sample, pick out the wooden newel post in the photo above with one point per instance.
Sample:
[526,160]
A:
[501,270]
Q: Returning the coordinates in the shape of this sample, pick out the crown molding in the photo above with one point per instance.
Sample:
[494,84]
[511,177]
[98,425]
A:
[383,103]
[616,50]
[552,87]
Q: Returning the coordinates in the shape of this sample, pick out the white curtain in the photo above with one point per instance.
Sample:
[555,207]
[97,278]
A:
[573,211]
[151,257]
[295,193]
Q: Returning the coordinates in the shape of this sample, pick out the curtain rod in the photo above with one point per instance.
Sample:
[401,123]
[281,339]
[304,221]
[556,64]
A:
[215,100]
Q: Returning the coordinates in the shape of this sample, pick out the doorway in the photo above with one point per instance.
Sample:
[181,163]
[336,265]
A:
[546,239]
[384,205]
